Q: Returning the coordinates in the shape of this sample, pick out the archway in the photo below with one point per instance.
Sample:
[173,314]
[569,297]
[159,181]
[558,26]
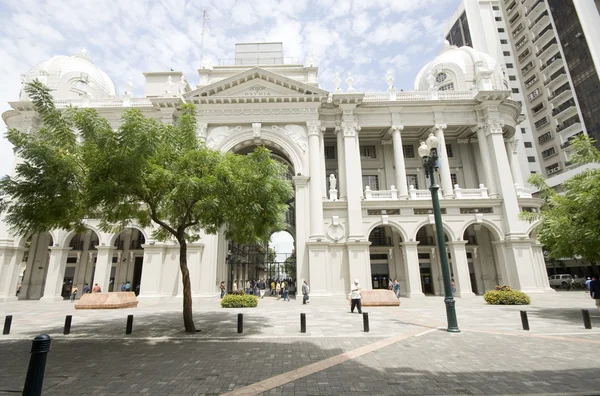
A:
[430,269]
[482,257]
[81,261]
[386,257]
[248,264]
[34,266]
[126,272]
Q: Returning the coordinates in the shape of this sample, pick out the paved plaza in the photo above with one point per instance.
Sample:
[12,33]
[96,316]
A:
[405,352]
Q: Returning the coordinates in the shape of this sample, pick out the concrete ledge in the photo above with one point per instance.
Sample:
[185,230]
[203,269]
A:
[379,298]
[113,300]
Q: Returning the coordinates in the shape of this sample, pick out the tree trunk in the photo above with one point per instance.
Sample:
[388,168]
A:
[188,319]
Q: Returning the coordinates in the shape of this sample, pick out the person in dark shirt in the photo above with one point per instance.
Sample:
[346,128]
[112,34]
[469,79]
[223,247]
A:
[595,290]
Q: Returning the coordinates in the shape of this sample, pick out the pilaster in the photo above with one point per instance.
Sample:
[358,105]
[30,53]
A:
[154,255]
[350,129]
[103,267]
[359,263]
[10,259]
[341,160]
[411,269]
[462,278]
[302,225]
[56,273]
[319,269]
[316,184]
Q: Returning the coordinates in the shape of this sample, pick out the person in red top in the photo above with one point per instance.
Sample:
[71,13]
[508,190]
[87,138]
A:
[96,289]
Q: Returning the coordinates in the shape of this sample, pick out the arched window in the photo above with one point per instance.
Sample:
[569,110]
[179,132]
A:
[447,87]
[441,77]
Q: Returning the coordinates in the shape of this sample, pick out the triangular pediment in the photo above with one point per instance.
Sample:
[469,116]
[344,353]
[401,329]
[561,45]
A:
[257,82]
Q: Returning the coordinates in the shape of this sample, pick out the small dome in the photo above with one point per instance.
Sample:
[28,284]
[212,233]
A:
[70,77]
[461,69]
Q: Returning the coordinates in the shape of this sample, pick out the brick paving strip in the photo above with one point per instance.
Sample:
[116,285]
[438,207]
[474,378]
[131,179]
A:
[293,375]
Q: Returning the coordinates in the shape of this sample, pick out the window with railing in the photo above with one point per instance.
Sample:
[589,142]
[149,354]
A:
[531,80]
[560,90]
[522,41]
[530,10]
[408,150]
[555,75]
[379,238]
[570,121]
[537,109]
[543,14]
[518,30]
[372,181]
[542,33]
[412,180]
[563,107]
[525,69]
[545,47]
[524,55]
[368,152]
[544,138]
[549,152]
[554,58]
[447,87]
[330,152]
[553,168]
[534,94]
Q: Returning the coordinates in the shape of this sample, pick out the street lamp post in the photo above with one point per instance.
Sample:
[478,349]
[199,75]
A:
[428,151]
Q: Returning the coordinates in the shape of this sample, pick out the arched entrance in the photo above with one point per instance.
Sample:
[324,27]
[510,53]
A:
[482,257]
[34,266]
[129,260]
[248,264]
[386,257]
[430,269]
[81,262]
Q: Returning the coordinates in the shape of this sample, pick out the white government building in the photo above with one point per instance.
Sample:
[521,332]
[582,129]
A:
[372,220]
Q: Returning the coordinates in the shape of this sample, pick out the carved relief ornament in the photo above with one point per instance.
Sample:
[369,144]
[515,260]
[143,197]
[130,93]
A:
[314,127]
[495,126]
[350,128]
[201,129]
[295,133]
[217,135]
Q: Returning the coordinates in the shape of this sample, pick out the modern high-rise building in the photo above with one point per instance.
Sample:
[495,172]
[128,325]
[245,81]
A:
[551,65]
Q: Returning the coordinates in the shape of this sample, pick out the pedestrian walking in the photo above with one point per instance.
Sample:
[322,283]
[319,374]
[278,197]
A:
[286,292]
[305,292]
[272,287]
[222,287]
[397,288]
[73,292]
[453,285]
[278,290]
[355,297]
[248,284]
[595,290]
[587,283]
[86,289]
[262,286]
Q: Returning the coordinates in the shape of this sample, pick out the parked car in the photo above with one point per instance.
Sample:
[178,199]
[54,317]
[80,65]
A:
[561,280]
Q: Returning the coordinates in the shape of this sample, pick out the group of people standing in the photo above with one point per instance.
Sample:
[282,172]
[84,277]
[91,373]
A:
[278,288]
[395,287]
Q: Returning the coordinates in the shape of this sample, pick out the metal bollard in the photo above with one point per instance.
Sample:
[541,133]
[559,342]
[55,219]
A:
[240,323]
[586,319]
[366,321]
[524,320]
[302,323]
[67,328]
[7,323]
[37,365]
[129,328]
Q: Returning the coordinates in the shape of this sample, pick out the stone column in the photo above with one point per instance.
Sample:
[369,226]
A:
[353,180]
[56,273]
[10,260]
[462,278]
[467,164]
[399,162]
[513,159]
[412,272]
[103,267]
[324,178]
[154,256]
[341,160]
[316,184]
[302,221]
[484,153]
[444,165]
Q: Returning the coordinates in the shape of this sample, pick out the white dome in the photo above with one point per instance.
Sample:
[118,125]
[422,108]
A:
[461,69]
[71,77]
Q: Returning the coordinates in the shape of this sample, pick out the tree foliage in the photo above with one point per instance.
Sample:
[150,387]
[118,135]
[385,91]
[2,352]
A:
[77,166]
[570,218]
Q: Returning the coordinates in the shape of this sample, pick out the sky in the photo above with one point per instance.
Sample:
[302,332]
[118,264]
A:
[367,38]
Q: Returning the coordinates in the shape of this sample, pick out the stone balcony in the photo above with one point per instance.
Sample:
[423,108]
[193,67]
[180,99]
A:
[415,194]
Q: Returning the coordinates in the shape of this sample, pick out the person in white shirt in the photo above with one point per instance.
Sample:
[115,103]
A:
[355,297]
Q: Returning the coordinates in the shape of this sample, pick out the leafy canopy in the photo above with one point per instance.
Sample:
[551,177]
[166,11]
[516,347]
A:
[570,219]
[77,166]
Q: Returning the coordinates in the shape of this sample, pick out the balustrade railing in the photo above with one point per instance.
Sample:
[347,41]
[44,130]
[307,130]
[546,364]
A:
[414,96]
[470,193]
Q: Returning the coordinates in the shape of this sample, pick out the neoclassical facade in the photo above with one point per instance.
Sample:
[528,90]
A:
[362,209]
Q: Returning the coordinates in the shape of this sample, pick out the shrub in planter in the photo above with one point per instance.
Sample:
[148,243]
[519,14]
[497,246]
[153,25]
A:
[504,295]
[239,301]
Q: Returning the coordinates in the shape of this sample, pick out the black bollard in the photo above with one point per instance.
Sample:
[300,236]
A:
[366,321]
[7,323]
[37,365]
[129,328]
[302,323]
[586,319]
[524,320]
[240,323]
[67,328]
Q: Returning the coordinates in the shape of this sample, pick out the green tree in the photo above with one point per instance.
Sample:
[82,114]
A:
[570,218]
[289,265]
[76,166]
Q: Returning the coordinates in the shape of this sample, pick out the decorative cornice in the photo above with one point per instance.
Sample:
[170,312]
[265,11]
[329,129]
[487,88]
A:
[462,141]
[386,142]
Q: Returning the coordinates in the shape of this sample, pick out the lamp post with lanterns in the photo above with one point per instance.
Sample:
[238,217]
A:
[428,152]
